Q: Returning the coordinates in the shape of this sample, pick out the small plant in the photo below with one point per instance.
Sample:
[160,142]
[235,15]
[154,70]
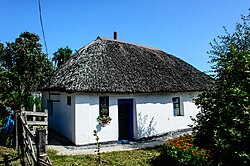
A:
[98,147]
[104,119]
[39,127]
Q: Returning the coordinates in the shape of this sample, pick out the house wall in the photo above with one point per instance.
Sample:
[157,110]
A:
[62,118]
[153,115]
[87,110]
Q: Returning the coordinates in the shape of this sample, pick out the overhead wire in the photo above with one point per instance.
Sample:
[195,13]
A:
[45,43]
[41,21]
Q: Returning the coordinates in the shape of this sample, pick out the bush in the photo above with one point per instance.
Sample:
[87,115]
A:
[181,151]
[222,126]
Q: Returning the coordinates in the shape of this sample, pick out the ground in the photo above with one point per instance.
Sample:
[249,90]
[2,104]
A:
[65,147]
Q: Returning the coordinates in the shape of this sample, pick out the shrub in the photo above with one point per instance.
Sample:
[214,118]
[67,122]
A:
[181,151]
[222,126]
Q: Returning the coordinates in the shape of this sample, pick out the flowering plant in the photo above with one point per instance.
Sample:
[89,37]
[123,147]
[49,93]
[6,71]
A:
[183,151]
[104,119]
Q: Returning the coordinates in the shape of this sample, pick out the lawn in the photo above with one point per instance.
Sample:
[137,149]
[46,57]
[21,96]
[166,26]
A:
[11,153]
[176,152]
[132,157]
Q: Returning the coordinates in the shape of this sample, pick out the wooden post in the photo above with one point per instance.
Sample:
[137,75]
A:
[16,127]
[34,119]
[41,143]
[21,150]
[47,126]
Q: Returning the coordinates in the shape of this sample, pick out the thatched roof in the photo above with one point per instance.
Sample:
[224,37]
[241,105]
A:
[113,66]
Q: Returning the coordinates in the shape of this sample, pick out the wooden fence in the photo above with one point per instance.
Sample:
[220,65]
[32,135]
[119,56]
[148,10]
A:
[31,141]
[37,120]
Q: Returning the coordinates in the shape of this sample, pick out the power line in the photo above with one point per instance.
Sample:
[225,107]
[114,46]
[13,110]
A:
[41,21]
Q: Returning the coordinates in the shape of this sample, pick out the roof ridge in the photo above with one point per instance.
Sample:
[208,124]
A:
[120,41]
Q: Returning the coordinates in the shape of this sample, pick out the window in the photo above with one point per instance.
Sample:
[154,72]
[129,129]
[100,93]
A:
[104,106]
[177,107]
[68,100]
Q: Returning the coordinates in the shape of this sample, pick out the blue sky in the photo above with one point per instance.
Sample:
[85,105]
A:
[183,28]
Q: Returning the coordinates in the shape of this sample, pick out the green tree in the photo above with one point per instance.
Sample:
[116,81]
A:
[61,56]
[23,68]
[223,126]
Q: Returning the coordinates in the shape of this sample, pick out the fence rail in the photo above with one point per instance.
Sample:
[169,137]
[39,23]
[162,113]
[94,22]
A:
[31,144]
[37,120]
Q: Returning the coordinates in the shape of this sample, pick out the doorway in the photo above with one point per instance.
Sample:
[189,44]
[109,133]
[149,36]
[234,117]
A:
[125,119]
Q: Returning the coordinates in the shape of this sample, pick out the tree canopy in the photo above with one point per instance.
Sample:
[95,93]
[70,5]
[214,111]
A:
[23,68]
[61,56]
[223,126]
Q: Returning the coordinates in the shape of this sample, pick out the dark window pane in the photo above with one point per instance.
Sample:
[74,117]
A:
[176,106]
[104,106]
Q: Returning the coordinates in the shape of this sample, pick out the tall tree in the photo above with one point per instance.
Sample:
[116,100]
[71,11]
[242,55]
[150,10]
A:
[62,55]
[223,126]
[23,68]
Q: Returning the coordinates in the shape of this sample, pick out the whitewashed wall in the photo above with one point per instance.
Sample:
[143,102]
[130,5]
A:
[87,110]
[63,118]
[153,115]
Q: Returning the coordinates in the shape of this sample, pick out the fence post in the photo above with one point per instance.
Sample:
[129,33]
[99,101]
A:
[46,119]
[40,143]
[20,129]
[34,118]
[16,127]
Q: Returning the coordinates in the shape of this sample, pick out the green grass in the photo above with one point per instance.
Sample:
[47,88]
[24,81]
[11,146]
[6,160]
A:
[1,121]
[177,153]
[11,153]
[132,157]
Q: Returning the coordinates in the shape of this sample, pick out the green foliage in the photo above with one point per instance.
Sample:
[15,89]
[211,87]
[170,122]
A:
[11,154]
[23,68]
[1,121]
[181,151]
[37,101]
[104,119]
[99,159]
[223,126]
[62,55]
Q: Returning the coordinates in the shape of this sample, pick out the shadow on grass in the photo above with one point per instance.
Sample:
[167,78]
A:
[163,161]
[9,156]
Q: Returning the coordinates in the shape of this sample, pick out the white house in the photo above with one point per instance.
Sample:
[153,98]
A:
[144,90]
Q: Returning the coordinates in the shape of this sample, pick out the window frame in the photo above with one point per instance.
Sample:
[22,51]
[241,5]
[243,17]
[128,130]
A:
[105,105]
[177,106]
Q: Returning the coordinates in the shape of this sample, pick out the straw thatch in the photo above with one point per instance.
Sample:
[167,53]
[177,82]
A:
[112,66]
